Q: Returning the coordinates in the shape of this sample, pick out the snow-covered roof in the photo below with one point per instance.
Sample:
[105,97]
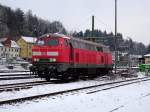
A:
[1,44]
[14,44]
[147,55]
[135,56]
[29,39]
[3,39]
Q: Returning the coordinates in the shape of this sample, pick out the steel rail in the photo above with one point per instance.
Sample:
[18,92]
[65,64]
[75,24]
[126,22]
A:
[13,78]
[5,75]
[72,90]
[17,86]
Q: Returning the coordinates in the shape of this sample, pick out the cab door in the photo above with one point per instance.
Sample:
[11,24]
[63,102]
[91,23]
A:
[71,54]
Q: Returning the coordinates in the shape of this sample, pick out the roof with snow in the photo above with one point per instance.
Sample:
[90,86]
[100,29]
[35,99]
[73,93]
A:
[29,39]
[1,44]
[3,39]
[147,55]
[14,44]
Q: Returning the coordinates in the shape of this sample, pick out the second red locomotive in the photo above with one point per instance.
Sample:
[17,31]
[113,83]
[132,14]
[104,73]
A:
[62,57]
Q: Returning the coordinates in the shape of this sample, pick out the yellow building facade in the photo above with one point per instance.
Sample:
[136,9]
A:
[25,44]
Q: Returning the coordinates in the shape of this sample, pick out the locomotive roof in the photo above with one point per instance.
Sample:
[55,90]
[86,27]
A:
[55,35]
[73,38]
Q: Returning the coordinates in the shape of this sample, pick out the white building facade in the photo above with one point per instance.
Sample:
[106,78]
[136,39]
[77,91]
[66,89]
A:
[10,52]
[1,49]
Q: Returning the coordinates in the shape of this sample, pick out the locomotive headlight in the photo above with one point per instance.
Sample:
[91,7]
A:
[54,59]
[36,59]
[50,60]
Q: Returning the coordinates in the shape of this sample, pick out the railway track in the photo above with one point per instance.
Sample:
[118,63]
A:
[13,71]
[14,78]
[16,75]
[5,75]
[105,86]
[18,86]
[27,85]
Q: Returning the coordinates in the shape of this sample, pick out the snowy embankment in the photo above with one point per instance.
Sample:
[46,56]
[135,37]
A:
[129,98]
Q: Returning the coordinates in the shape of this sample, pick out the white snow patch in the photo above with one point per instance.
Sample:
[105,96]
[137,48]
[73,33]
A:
[29,39]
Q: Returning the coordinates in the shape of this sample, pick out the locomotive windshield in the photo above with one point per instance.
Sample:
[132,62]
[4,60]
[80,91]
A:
[53,42]
[40,42]
[49,42]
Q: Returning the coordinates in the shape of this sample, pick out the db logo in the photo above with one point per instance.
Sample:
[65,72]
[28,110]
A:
[44,53]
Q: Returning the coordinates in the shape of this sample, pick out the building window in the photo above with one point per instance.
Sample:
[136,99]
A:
[29,53]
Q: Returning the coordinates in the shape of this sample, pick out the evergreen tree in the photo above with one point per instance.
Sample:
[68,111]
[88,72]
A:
[148,49]
[19,20]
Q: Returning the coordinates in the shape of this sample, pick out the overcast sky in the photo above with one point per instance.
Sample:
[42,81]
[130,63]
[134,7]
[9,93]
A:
[133,15]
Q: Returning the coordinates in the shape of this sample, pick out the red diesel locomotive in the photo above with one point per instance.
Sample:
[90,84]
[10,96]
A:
[62,57]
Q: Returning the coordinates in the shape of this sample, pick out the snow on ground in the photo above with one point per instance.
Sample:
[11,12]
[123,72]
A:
[3,68]
[129,98]
[17,80]
[14,73]
[2,82]
[49,88]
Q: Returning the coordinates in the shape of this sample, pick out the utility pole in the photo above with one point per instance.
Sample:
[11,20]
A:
[129,57]
[115,35]
[92,26]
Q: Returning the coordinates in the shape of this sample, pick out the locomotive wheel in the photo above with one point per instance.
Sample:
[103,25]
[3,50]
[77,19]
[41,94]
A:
[39,73]
[76,77]
[47,78]
[64,77]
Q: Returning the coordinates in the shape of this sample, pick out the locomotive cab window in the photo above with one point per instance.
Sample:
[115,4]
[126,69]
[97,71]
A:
[40,42]
[52,42]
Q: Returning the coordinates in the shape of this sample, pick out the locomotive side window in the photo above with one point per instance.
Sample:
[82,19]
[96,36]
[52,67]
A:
[83,45]
[99,49]
[66,42]
[52,42]
[75,44]
[80,45]
[106,49]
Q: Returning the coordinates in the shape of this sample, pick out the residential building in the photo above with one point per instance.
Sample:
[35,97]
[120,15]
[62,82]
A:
[14,49]
[9,48]
[1,48]
[25,44]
